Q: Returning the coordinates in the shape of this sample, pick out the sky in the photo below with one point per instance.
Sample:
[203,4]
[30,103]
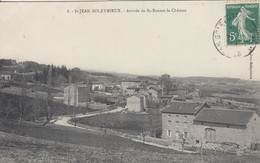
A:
[176,43]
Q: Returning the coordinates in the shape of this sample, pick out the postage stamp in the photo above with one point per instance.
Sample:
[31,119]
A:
[242,24]
[237,34]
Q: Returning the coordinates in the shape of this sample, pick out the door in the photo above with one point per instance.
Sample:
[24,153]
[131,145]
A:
[210,135]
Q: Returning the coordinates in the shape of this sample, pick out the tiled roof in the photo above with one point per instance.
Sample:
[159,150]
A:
[224,116]
[137,95]
[183,108]
[166,96]
[156,88]
[135,87]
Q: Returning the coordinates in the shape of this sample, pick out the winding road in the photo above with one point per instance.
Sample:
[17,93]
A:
[63,120]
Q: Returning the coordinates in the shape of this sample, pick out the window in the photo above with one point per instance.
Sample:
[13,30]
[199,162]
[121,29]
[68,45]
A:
[227,126]
[186,134]
[185,116]
[177,134]
[169,115]
[197,141]
[177,115]
[185,124]
[202,123]
[169,122]
[169,133]
[177,121]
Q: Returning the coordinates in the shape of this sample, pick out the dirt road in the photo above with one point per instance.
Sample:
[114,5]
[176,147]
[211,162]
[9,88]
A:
[63,120]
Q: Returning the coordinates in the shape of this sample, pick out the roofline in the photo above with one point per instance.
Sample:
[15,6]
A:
[196,112]
[249,119]
[178,113]
[220,123]
[136,96]
[159,89]
[200,108]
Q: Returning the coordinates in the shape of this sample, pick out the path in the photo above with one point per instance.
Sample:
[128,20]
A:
[63,120]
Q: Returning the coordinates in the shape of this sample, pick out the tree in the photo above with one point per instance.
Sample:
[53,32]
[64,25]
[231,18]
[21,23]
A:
[49,109]
[6,108]
[77,75]
[22,106]
[166,83]
[105,121]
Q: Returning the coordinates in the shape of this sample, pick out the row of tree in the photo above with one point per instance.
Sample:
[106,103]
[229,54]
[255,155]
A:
[60,75]
[39,72]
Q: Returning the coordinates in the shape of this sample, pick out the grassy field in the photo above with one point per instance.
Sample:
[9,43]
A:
[34,143]
[132,123]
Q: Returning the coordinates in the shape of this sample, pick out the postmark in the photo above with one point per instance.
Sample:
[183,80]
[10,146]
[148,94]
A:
[229,37]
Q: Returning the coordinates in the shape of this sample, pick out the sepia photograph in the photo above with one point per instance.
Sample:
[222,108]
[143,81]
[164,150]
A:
[130,81]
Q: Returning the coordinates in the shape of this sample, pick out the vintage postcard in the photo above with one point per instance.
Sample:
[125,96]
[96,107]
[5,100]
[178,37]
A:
[129,81]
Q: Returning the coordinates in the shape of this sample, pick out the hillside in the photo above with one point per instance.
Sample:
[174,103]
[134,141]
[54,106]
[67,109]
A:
[75,145]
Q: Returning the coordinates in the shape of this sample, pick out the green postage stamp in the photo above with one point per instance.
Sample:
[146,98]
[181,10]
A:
[242,24]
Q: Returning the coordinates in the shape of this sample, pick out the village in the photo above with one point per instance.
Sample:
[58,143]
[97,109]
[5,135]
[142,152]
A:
[163,111]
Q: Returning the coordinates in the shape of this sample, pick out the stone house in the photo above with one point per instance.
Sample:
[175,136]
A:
[77,95]
[147,98]
[136,103]
[156,93]
[97,86]
[178,118]
[129,83]
[6,76]
[134,89]
[166,99]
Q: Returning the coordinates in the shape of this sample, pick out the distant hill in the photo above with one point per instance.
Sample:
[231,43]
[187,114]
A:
[209,79]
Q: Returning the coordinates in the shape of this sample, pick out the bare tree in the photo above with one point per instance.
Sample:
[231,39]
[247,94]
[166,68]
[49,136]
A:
[104,121]
[22,108]
[49,109]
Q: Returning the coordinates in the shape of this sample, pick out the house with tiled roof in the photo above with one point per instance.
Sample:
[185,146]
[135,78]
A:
[77,95]
[178,117]
[136,103]
[130,83]
[134,89]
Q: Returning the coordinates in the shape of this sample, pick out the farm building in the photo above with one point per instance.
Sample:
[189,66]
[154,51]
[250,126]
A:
[96,86]
[134,89]
[129,83]
[76,95]
[179,94]
[156,92]
[197,123]
[6,76]
[219,125]
[136,103]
